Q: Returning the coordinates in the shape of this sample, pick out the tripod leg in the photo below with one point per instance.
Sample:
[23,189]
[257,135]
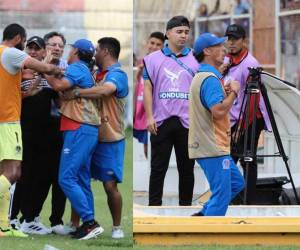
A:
[246,177]
[236,132]
[249,141]
[292,182]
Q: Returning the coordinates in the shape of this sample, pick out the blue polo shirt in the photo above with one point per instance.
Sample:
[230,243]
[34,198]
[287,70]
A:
[211,92]
[119,78]
[167,52]
[79,74]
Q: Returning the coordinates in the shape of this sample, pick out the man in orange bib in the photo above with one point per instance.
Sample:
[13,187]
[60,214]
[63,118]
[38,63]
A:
[12,60]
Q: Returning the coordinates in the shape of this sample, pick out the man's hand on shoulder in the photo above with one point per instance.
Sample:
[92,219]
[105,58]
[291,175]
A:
[33,88]
[57,72]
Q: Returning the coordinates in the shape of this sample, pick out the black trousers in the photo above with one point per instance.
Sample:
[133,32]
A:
[40,166]
[24,199]
[171,134]
[252,166]
[58,199]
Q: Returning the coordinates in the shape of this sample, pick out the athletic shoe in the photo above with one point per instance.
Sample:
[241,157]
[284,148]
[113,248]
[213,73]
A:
[74,233]
[15,224]
[9,232]
[41,225]
[63,229]
[34,228]
[198,214]
[88,230]
[70,228]
[117,233]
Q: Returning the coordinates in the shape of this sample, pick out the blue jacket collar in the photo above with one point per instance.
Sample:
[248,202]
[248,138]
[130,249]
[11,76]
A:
[166,50]
[116,65]
[210,68]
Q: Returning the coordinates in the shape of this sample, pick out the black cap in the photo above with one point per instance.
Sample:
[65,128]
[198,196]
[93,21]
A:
[236,31]
[177,21]
[38,41]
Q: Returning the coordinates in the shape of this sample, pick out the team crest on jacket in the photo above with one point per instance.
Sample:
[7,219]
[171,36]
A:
[226,164]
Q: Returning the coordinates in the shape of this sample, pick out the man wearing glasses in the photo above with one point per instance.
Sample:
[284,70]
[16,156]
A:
[55,44]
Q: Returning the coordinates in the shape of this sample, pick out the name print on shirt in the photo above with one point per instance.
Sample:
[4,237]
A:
[173,91]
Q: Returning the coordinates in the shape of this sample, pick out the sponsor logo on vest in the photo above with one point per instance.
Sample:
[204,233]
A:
[174,95]
[226,164]
[194,145]
[173,77]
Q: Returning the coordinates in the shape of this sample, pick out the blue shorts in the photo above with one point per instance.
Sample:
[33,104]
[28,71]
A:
[108,161]
[141,135]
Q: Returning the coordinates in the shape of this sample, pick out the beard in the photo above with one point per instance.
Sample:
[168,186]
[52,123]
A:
[20,46]
[98,63]
[55,60]
[236,53]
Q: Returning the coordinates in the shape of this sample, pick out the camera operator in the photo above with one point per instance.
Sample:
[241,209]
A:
[237,69]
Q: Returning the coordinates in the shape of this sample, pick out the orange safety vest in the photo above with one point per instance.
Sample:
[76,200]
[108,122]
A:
[10,94]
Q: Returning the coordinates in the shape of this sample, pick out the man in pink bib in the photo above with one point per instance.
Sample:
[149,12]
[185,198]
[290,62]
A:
[168,74]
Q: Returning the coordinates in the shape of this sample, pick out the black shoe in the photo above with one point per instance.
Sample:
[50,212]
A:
[88,230]
[198,214]
[74,233]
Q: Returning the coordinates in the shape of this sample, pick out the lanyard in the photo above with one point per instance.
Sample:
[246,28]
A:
[187,68]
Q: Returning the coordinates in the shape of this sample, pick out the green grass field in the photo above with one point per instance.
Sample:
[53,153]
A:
[218,248]
[102,216]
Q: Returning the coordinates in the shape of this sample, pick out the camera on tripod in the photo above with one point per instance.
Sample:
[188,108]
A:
[244,135]
[252,84]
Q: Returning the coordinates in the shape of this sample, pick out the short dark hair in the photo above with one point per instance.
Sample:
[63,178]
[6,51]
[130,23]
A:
[199,57]
[13,30]
[52,34]
[177,21]
[112,45]
[86,57]
[159,35]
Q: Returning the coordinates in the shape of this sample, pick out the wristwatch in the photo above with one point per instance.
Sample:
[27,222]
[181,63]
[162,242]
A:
[76,93]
